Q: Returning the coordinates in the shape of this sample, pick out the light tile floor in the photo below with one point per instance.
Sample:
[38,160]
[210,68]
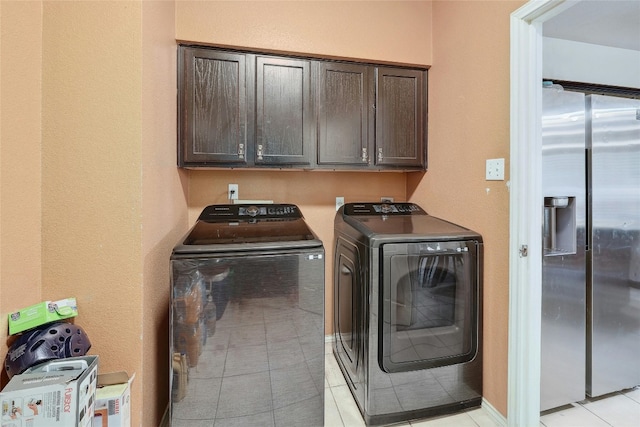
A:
[617,410]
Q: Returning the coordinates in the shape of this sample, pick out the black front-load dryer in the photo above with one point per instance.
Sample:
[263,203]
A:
[407,311]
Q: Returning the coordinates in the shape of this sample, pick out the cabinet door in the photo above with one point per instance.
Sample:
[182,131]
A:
[212,107]
[345,116]
[400,117]
[284,116]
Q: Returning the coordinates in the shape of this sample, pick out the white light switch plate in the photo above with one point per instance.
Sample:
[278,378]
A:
[495,170]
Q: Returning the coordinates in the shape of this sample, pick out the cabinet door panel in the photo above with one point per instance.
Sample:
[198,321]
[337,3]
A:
[213,107]
[284,119]
[345,113]
[400,123]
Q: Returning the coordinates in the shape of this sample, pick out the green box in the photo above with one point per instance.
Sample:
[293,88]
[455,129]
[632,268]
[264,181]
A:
[41,313]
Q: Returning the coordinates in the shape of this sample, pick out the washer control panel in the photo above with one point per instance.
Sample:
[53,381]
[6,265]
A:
[239,212]
[268,211]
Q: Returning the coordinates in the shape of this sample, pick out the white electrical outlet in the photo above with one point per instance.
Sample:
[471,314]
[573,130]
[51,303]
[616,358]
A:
[339,202]
[495,170]
[233,192]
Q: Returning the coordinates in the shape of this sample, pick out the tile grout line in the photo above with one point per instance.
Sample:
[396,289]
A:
[631,398]
[597,416]
[608,397]
[337,406]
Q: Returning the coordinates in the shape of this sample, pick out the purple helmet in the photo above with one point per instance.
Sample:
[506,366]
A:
[47,342]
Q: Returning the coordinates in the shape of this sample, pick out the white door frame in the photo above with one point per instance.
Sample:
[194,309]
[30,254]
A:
[525,223]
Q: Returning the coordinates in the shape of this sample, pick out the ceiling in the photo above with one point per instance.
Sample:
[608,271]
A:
[613,23]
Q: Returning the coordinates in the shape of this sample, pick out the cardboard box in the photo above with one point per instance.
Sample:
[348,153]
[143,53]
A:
[113,400]
[58,393]
[41,313]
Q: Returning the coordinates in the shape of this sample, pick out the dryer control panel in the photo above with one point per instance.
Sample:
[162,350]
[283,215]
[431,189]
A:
[355,209]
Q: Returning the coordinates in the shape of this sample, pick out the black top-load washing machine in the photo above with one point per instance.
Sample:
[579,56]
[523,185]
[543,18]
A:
[247,319]
[407,311]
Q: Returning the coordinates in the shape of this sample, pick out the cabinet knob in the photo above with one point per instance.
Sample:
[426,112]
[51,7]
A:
[259,152]
[241,150]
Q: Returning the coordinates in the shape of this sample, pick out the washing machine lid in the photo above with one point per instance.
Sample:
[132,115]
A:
[248,227]
[400,219]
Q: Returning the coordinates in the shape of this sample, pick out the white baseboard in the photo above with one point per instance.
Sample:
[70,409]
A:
[494,413]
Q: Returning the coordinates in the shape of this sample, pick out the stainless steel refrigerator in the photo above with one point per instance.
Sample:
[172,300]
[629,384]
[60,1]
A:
[591,242]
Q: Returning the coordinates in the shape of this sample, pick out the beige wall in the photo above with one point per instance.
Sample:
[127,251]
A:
[91,186]
[20,165]
[164,206]
[469,123]
[398,31]
[94,202]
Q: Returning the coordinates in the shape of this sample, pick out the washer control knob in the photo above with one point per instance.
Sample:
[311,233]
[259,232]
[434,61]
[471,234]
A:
[386,208]
[252,210]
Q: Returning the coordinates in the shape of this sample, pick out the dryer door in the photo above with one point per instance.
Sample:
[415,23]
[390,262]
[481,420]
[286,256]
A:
[348,305]
[429,305]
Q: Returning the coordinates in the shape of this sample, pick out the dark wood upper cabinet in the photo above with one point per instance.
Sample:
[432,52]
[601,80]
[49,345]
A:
[400,117]
[248,109]
[212,107]
[284,112]
[345,113]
